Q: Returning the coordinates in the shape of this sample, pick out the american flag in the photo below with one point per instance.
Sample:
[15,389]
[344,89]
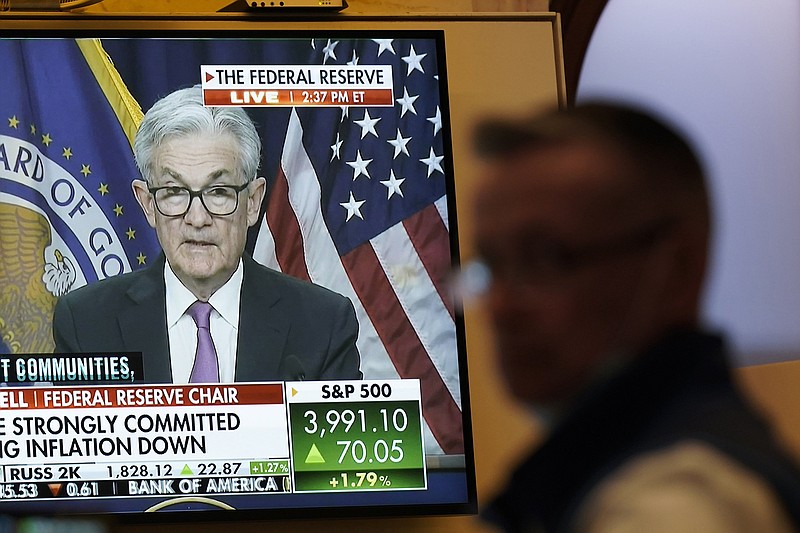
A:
[359,205]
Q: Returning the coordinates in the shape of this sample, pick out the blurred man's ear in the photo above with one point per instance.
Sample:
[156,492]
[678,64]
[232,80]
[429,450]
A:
[146,201]
[685,283]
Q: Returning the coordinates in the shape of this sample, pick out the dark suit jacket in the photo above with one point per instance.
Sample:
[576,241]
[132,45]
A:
[680,390]
[287,327]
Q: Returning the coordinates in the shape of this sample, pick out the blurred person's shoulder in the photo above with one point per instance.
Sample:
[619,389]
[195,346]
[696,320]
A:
[689,486]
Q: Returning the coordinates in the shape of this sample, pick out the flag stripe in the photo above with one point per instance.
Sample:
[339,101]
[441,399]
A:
[404,347]
[125,106]
[264,249]
[432,242]
[420,302]
[326,268]
[287,250]
[305,197]
[441,207]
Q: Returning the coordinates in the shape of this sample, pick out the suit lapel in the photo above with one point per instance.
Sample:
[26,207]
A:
[262,328]
[144,322]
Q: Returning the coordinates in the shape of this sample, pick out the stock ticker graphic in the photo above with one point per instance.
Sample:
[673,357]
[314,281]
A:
[122,441]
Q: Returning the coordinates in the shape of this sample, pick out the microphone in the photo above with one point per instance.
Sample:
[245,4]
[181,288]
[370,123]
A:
[291,369]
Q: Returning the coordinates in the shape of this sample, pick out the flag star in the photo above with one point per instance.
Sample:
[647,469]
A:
[33,129]
[436,120]
[13,122]
[383,45]
[328,51]
[141,258]
[336,147]
[399,144]
[85,170]
[131,233]
[118,210]
[66,152]
[353,207]
[103,189]
[345,112]
[434,162]
[414,61]
[359,166]
[354,61]
[367,124]
[393,185]
[407,101]
[46,139]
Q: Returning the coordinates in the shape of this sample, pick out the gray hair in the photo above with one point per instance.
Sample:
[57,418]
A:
[182,113]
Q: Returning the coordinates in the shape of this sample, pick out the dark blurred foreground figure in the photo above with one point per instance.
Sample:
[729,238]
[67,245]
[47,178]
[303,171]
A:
[592,229]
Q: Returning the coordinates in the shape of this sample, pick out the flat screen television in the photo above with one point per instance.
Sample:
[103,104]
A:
[357,157]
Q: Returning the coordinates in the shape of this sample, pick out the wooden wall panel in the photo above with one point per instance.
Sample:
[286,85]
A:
[775,388]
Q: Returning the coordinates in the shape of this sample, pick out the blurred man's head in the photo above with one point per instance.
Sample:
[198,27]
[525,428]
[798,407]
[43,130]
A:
[200,191]
[594,225]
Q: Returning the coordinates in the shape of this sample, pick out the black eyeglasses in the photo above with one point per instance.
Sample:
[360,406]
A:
[218,200]
[545,261]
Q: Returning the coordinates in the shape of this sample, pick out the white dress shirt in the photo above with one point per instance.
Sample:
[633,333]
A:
[182,331]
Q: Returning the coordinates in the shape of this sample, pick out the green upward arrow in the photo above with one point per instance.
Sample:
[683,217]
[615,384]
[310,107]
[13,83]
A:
[314,456]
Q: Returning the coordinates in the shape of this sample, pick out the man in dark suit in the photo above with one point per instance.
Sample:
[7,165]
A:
[592,225]
[204,311]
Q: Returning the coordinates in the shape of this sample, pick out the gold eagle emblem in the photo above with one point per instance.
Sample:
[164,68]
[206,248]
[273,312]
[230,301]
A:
[29,286]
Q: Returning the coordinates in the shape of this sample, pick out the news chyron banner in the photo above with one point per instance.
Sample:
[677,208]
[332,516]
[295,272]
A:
[101,368]
[178,441]
[297,85]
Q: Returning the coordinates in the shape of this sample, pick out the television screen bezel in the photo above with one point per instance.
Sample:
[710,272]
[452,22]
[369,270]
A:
[230,27]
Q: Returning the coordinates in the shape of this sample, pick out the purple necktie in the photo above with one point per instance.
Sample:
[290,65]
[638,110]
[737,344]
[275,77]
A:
[205,369]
